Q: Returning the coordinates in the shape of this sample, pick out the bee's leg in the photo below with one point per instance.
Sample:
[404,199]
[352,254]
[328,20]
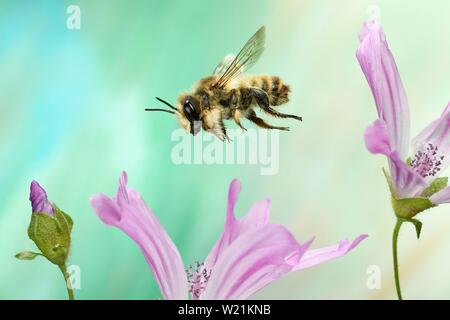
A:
[237,118]
[223,131]
[220,131]
[263,101]
[213,123]
[261,123]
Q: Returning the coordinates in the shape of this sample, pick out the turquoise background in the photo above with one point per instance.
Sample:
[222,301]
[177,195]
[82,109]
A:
[72,118]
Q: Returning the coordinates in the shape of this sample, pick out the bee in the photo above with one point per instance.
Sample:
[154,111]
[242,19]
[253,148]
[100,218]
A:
[229,94]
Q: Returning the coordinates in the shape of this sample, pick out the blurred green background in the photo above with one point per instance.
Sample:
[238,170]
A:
[72,118]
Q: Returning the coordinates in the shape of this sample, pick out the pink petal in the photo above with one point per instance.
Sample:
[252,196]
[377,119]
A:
[317,256]
[407,182]
[257,217]
[376,138]
[39,200]
[252,261]
[438,134]
[381,73]
[130,213]
[442,196]
[106,208]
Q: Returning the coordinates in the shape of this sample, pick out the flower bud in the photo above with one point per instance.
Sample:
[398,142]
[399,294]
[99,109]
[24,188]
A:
[49,228]
[38,199]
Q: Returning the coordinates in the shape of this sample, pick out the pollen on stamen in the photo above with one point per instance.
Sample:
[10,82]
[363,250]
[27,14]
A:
[198,277]
[427,163]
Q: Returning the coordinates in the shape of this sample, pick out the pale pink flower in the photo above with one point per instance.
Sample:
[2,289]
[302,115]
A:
[413,164]
[250,253]
[414,169]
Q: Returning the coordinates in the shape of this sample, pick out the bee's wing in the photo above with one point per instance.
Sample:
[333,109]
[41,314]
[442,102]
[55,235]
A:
[246,58]
[224,64]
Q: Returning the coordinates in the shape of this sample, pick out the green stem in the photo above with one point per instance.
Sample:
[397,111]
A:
[67,282]
[394,251]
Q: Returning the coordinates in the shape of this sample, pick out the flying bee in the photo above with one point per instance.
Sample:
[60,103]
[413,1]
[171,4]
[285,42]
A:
[228,94]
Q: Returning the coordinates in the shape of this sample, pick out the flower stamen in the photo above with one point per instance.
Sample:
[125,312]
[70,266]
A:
[427,163]
[198,277]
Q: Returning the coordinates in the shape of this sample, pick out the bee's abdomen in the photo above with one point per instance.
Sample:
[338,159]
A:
[277,91]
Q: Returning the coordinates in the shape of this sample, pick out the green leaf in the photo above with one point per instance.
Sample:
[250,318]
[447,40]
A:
[409,207]
[437,185]
[27,255]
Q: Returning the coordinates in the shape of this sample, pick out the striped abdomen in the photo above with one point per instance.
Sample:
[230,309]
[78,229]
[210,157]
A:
[277,91]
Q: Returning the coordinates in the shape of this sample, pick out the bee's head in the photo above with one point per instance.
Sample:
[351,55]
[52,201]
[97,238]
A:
[187,112]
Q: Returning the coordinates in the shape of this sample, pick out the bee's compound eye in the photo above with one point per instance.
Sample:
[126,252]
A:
[188,106]
[189,111]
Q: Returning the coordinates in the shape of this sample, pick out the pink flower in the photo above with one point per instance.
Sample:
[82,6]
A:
[412,172]
[249,254]
[413,180]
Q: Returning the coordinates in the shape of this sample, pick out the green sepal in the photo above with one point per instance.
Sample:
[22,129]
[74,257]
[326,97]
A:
[389,182]
[417,224]
[409,207]
[27,255]
[51,234]
[64,219]
[437,185]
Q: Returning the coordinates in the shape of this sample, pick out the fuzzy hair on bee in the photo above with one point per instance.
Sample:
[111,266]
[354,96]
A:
[230,95]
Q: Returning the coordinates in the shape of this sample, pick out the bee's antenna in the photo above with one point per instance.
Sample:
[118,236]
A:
[166,103]
[163,110]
